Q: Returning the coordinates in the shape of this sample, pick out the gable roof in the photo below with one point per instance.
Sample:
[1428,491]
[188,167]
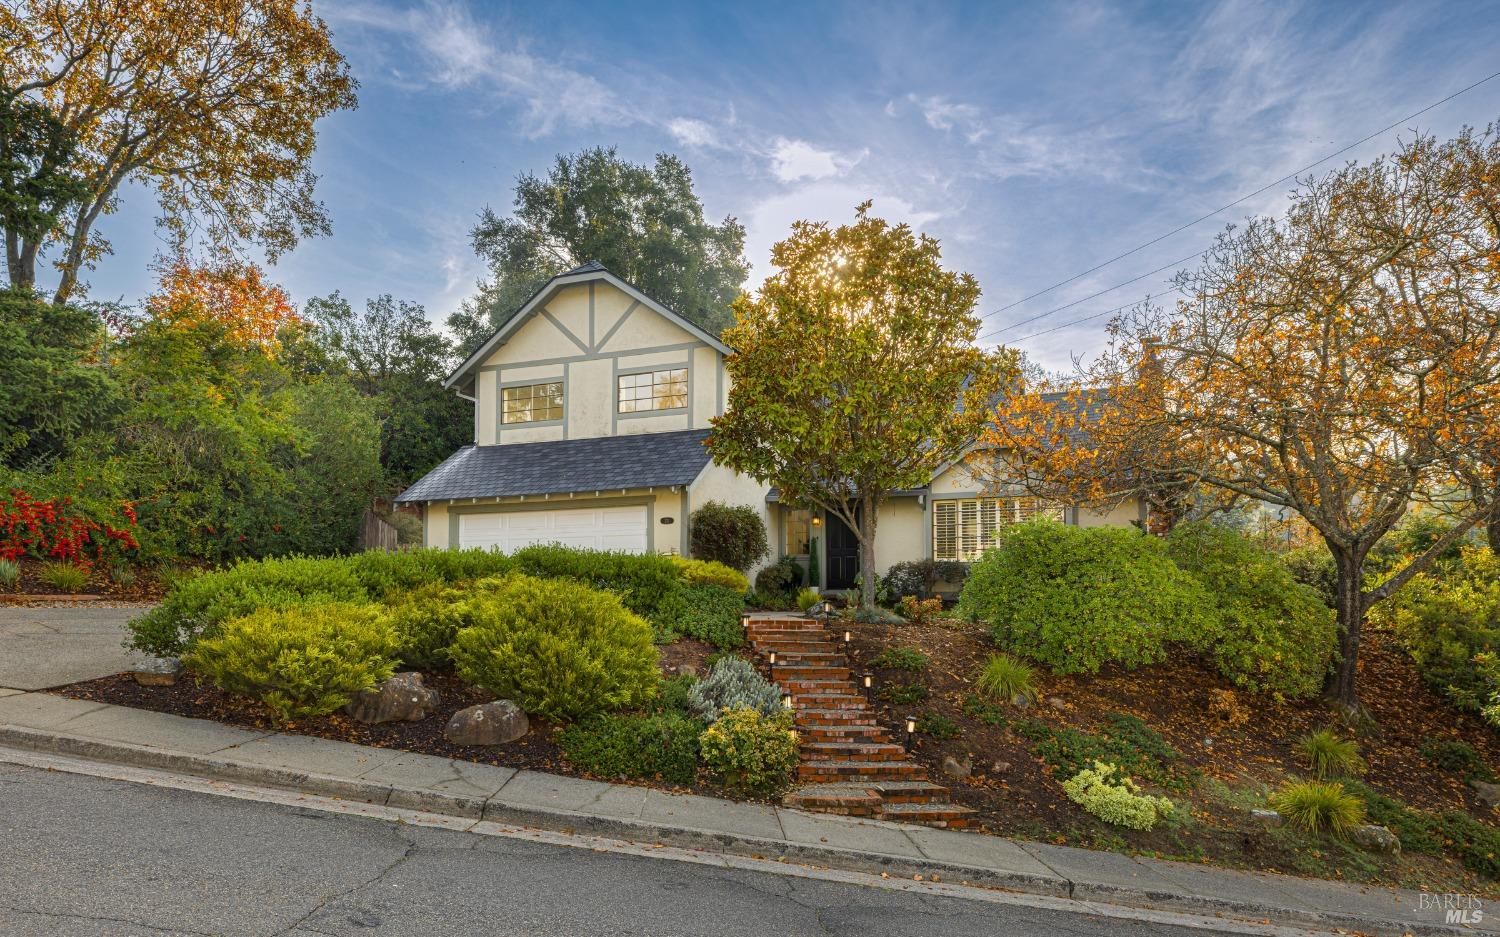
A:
[593,271]
[645,460]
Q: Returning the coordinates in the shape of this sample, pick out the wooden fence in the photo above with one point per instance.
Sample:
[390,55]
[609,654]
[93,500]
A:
[376,534]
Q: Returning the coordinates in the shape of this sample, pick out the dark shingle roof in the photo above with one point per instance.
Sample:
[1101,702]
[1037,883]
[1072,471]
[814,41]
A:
[535,468]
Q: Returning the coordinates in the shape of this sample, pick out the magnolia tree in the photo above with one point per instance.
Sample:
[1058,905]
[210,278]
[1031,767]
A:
[855,372]
[1343,363]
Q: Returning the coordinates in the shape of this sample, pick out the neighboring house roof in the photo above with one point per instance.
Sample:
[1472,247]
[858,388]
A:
[584,273]
[774,495]
[646,460]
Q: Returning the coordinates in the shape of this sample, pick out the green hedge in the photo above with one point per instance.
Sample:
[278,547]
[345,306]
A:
[655,745]
[706,612]
[1077,598]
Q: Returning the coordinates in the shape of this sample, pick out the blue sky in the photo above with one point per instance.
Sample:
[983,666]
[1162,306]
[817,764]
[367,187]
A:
[1034,141]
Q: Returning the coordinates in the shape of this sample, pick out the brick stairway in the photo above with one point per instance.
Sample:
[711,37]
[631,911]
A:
[849,765]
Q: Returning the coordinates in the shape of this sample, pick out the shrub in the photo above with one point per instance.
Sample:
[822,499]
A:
[66,529]
[1316,807]
[920,611]
[938,726]
[1004,678]
[658,745]
[733,683]
[903,694]
[1452,832]
[645,582]
[1264,630]
[1122,740]
[982,710]
[748,751]
[1114,798]
[426,620]
[1313,566]
[707,612]
[912,577]
[64,577]
[672,695]
[871,615]
[10,574]
[1076,598]
[901,658]
[1448,620]
[781,578]
[558,648]
[710,573]
[1459,758]
[777,602]
[1225,706]
[730,534]
[807,598]
[300,662]
[122,576]
[1329,756]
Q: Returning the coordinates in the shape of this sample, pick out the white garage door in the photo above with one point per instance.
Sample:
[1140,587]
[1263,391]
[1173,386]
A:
[622,528]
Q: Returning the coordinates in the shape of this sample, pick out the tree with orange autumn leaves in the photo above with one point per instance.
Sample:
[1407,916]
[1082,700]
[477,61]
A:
[1343,363]
[234,295]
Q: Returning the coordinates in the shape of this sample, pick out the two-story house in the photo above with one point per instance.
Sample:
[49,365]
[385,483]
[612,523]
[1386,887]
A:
[591,406]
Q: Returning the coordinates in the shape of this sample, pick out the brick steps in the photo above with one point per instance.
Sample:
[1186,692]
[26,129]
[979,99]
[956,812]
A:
[849,765]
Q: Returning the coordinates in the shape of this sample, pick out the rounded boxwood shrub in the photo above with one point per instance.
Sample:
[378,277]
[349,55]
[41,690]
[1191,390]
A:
[656,745]
[711,573]
[299,662]
[781,578]
[426,620]
[556,647]
[1077,598]
[706,612]
[750,752]
[730,534]
[1264,630]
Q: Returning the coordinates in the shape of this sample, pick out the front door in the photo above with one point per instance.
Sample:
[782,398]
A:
[843,555]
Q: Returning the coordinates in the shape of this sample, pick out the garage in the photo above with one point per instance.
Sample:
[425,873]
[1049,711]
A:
[614,528]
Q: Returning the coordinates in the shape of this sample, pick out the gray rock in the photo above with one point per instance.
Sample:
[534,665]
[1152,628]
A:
[1375,838]
[688,670]
[158,671]
[1488,794]
[957,769]
[1268,818]
[401,698]
[1056,702]
[1020,700]
[487,724]
[1000,768]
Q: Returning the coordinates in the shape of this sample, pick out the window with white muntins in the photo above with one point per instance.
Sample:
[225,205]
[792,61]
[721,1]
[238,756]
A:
[964,529]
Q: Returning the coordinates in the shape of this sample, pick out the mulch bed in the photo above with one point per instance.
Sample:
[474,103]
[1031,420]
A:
[146,587]
[1015,793]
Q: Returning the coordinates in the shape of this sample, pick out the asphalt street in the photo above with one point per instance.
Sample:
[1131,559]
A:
[83,856]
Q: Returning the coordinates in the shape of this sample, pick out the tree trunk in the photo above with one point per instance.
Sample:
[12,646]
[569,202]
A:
[867,551]
[1349,606]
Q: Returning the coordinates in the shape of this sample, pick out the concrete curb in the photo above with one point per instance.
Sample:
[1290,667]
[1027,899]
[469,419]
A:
[495,808]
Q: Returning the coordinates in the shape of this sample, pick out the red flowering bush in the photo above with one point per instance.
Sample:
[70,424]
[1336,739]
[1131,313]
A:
[59,529]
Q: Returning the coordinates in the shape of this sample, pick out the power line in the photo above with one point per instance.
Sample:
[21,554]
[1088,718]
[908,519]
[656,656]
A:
[1043,315]
[1098,315]
[1244,198]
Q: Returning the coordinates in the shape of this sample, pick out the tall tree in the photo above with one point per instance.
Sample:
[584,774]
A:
[644,223]
[38,181]
[212,103]
[1344,364]
[251,310]
[393,356]
[855,372]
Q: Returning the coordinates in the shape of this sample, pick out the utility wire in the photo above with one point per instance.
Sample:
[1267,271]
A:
[1098,315]
[1244,198]
[1043,315]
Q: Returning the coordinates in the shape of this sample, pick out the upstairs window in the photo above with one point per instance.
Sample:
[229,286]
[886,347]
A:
[532,403]
[653,390]
[964,529]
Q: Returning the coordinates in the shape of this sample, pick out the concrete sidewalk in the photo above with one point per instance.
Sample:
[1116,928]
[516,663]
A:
[52,645]
[116,734]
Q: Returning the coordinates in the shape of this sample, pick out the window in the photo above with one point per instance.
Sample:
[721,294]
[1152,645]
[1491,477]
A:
[798,532]
[532,403]
[962,530]
[653,390]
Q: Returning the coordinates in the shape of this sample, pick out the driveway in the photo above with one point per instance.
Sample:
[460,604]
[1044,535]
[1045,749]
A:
[54,645]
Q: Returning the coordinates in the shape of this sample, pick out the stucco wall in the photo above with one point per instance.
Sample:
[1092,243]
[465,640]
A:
[1121,514]
[586,336]
[718,483]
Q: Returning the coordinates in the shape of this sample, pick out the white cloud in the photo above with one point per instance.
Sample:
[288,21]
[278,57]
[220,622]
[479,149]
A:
[770,220]
[689,131]
[793,160]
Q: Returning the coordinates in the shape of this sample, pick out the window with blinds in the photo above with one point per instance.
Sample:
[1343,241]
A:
[964,529]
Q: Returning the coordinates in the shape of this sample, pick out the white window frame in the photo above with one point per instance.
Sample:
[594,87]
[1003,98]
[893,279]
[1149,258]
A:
[963,528]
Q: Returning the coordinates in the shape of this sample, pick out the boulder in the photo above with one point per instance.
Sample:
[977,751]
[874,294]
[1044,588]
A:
[158,671]
[487,724]
[400,698]
[1021,700]
[1375,838]
[957,769]
[1000,768]
[1268,818]
[1488,794]
[1056,702]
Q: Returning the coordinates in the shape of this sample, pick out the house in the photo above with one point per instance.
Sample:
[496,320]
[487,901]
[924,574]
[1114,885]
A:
[591,407]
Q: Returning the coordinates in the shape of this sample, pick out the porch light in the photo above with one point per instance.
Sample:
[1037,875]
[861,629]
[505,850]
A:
[817,521]
[911,729]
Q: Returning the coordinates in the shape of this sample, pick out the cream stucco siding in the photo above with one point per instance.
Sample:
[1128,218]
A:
[1117,515]
[900,533]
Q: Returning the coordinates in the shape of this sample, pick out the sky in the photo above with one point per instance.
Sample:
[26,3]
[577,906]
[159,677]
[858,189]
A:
[1034,141]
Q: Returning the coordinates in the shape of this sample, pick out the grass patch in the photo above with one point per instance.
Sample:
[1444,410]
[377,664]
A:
[1316,807]
[903,694]
[901,658]
[1121,740]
